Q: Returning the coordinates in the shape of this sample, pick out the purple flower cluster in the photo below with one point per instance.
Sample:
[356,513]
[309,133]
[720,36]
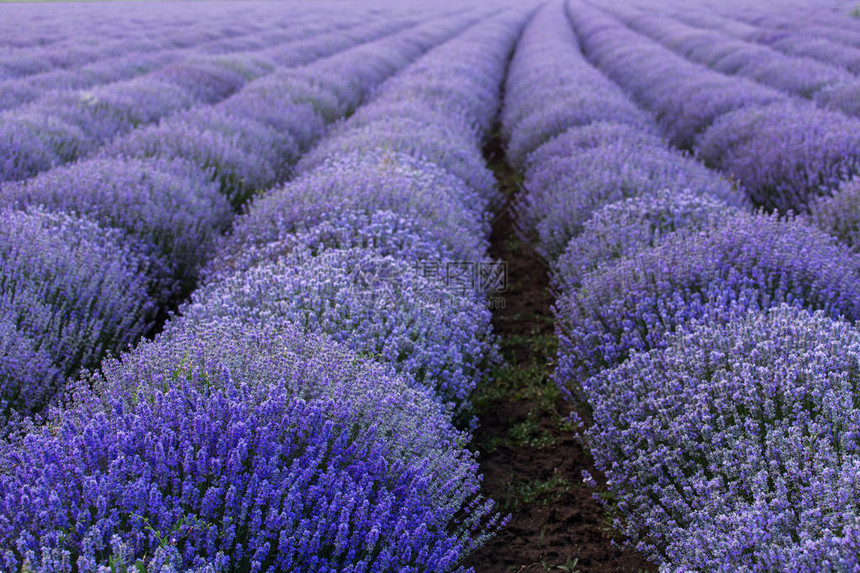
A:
[551,88]
[685,97]
[449,209]
[801,42]
[839,214]
[747,262]
[163,212]
[785,154]
[783,151]
[622,229]
[565,190]
[403,236]
[591,159]
[243,438]
[247,449]
[169,205]
[735,447]
[66,126]
[72,291]
[798,76]
[379,306]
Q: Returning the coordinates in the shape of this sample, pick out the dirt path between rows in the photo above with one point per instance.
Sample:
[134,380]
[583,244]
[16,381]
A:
[531,463]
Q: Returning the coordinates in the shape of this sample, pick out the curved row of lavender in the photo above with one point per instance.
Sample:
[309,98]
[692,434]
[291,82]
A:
[832,22]
[157,200]
[128,61]
[41,40]
[801,42]
[711,346]
[65,127]
[829,86]
[298,414]
[785,151]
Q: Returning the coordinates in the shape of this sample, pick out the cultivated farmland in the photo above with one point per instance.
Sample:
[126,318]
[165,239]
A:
[371,286]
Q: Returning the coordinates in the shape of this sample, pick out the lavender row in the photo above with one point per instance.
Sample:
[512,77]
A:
[799,42]
[90,38]
[409,210]
[167,203]
[832,21]
[675,315]
[828,86]
[345,464]
[801,77]
[71,126]
[703,365]
[785,152]
[118,67]
[600,152]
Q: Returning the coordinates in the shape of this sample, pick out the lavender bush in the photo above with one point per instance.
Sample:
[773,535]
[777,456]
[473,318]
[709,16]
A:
[784,154]
[747,262]
[74,289]
[563,192]
[171,206]
[377,305]
[685,97]
[385,232]
[734,447]
[240,421]
[552,88]
[622,229]
[450,209]
[837,215]
[230,154]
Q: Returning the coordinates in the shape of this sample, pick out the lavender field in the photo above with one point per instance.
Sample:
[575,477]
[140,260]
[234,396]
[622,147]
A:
[372,286]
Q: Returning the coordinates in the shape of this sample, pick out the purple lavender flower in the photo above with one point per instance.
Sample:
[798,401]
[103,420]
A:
[734,448]
[30,142]
[230,154]
[837,215]
[169,205]
[564,191]
[685,97]
[272,451]
[368,182]
[552,88]
[28,375]
[747,262]
[380,306]
[76,290]
[385,232]
[405,136]
[784,154]
[620,230]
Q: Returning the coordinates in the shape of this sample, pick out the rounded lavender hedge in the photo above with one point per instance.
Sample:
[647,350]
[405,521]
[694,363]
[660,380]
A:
[839,214]
[242,155]
[448,207]
[380,306]
[735,447]
[28,375]
[209,81]
[247,449]
[786,154]
[563,192]
[385,232]
[74,289]
[592,136]
[622,229]
[429,142]
[169,205]
[749,261]
[30,143]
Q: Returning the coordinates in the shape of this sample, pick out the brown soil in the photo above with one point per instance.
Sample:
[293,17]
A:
[531,463]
